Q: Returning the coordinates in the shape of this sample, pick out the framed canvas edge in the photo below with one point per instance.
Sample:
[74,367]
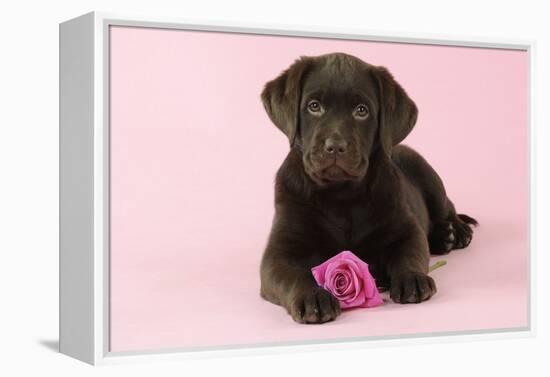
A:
[312,31]
[102,21]
[281,348]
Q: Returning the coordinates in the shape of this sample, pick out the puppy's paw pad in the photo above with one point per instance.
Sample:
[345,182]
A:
[412,288]
[314,306]
[450,235]
[463,233]
[442,238]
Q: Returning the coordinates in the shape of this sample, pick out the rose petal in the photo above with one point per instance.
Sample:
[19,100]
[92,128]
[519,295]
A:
[331,270]
[348,278]
[372,295]
[357,286]
[353,291]
[344,276]
[341,282]
[358,302]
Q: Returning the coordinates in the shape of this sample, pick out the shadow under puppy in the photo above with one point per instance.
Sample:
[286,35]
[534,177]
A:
[346,184]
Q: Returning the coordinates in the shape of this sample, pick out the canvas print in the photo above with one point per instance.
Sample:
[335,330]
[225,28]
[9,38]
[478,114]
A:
[278,190]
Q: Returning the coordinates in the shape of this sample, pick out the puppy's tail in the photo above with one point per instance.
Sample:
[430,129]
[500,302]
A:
[467,219]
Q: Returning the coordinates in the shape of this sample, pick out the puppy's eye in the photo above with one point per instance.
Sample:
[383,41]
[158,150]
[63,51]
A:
[361,111]
[315,107]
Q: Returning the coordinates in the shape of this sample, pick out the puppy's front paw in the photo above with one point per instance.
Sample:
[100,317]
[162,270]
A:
[412,288]
[314,306]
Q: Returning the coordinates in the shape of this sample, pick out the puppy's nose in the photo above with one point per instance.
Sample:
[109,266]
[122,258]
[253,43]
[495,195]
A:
[336,146]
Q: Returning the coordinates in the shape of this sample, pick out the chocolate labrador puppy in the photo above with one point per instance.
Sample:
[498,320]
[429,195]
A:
[347,184]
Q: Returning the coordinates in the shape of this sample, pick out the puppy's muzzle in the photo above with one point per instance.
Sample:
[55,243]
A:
[335,159]
[336,147]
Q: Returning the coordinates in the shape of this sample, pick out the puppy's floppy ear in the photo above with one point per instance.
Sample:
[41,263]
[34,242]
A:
[398,112]
[281,98]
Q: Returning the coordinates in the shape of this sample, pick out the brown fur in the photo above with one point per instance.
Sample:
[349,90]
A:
[379,199]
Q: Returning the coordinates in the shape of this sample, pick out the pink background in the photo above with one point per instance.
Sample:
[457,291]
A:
[193,158]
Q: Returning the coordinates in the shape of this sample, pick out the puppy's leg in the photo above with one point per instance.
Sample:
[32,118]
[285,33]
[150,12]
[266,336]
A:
[407,265]
[448,230]
[295,245]
[288,282]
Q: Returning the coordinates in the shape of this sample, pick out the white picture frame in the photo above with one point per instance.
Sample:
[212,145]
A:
[84,183]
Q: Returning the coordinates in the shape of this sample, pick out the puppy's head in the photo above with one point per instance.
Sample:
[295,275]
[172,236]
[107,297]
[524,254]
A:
[338,110]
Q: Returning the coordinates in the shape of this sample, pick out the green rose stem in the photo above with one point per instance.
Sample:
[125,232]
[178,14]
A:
[436,265]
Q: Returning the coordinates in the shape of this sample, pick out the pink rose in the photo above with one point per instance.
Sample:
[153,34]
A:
[348,279]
